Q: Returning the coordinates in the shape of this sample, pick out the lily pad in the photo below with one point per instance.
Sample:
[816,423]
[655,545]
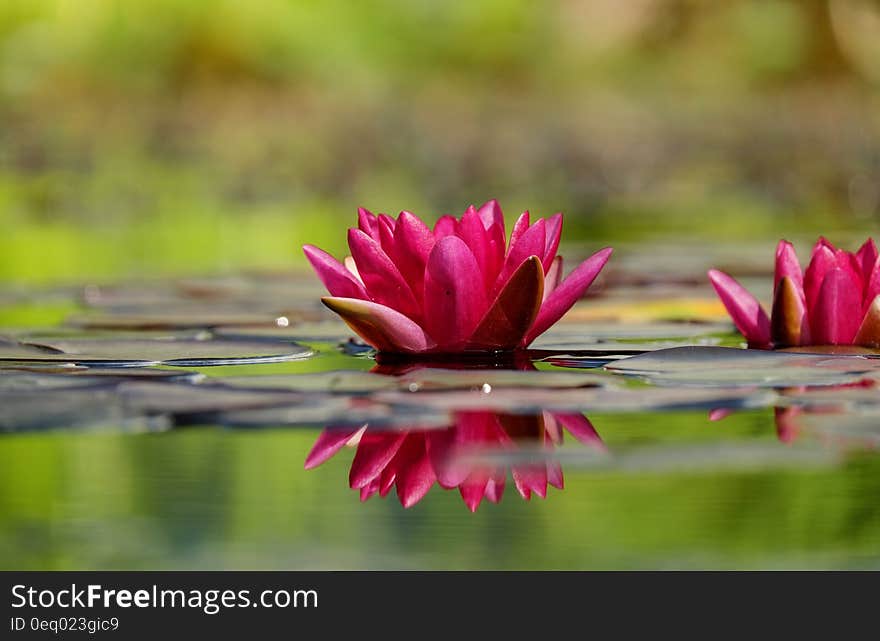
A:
[850,397]
[71,408]
[193,319]
[591,332]
[594,399]
[725,366]
[177,399]
[88,377]
[180,353]
[354,382]
[845,430]
[685,458]
[338,412]
[329,331]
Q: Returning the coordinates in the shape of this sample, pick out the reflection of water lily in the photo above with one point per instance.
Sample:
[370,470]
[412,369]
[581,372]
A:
[459,287]
[413,460]
[833,302]
[787,418]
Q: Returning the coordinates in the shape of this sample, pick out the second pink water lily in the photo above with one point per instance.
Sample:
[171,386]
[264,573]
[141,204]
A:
[835,301]
[459,287]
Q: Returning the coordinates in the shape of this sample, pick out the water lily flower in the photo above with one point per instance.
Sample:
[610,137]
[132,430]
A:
[459,287]
[414,461]
[833,302]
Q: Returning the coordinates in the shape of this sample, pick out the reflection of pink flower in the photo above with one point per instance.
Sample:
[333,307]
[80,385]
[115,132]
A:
[784,417]
[414,460]
[834,302]
[787,418]
[460,287]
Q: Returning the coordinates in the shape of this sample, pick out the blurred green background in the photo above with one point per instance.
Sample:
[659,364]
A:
[145,137]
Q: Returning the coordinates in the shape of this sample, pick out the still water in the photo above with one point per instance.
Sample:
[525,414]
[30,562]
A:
[170,424]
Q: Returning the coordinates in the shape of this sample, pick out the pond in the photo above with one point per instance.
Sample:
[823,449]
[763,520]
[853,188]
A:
[231,422]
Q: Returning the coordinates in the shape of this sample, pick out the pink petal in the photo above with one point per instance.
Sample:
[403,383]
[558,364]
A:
[329,442]
[382,280]
[490,213]
[786,423]
[454,299]
[386,238]
[582,429]
[872,286]
[554,275]
[513,311]
[415,476]
[495,487]
[554,475]
[387,478]
[369,490]
[382,327]
[519,228]
[493,222]
[719,413]
[496,253]
[445,226]
[552,430]
[470,229]
[567,293]
[531,243]
[822,260]
[787,265]
[338,280]
[388,222]
[822,242]
[374,452]
[530,477]
[473,489]
[413,243]
[368,223]
[866,258]
[441,450]
[448,448]
[837,314]
[553,234]
[744,309]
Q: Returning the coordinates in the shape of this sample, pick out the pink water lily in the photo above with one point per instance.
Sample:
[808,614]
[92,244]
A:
[414,461]
[833,302]
[459,287]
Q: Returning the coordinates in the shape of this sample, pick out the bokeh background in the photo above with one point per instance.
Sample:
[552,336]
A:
[148,137]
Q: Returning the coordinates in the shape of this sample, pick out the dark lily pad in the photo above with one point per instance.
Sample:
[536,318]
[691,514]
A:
[591,332]
[93,408]
[850,397]
[339,412]
[724,366]
[591,399]
[684,458]
[170,320]
[87,377]
[833,350]
[845,430]
[177,399]
[330,331]
[354,382]
[613,347]
[339,382]
[180,353]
